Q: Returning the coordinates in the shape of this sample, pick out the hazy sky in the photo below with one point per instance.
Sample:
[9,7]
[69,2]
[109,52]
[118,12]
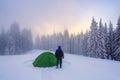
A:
[46,16]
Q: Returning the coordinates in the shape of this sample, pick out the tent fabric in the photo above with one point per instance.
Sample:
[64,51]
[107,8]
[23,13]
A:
[46,59]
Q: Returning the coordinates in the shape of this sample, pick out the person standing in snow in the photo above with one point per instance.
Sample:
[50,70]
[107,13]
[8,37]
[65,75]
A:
[59,55]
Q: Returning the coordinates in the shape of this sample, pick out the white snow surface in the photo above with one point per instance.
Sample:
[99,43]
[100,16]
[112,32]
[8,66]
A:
[19,67]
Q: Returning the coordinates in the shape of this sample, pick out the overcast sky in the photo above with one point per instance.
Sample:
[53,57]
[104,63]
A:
[46,16]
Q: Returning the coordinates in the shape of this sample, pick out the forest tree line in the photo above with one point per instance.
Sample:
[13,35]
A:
[15,41]
[101,41]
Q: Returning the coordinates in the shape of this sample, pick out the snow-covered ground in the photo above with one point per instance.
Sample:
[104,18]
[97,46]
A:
[19,67]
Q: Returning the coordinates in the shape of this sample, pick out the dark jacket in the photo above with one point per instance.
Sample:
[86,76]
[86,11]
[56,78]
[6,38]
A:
[59,53]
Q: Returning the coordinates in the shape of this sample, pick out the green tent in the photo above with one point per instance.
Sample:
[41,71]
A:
[46,59]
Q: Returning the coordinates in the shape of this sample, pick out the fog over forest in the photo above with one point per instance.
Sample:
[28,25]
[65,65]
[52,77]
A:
[101,41]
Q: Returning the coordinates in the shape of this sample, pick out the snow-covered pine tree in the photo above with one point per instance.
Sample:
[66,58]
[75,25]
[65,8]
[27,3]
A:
[10,48]
[37,42]
[117,42]
[101,41]
[79,45]
[15,34]
[27,40]
[110,42]
[77,50]
[44,41]
[66,41]
[3,41]
[106,39]
[55,41]
[93,40]
[59,40]
[72,44]
[84,44]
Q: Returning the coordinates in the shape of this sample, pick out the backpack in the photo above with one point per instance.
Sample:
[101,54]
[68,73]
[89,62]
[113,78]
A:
[59,54]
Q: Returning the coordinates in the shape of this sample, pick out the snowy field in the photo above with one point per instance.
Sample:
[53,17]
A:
[19,67]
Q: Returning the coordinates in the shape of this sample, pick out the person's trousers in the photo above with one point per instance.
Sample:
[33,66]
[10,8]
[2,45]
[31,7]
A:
[59,61]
